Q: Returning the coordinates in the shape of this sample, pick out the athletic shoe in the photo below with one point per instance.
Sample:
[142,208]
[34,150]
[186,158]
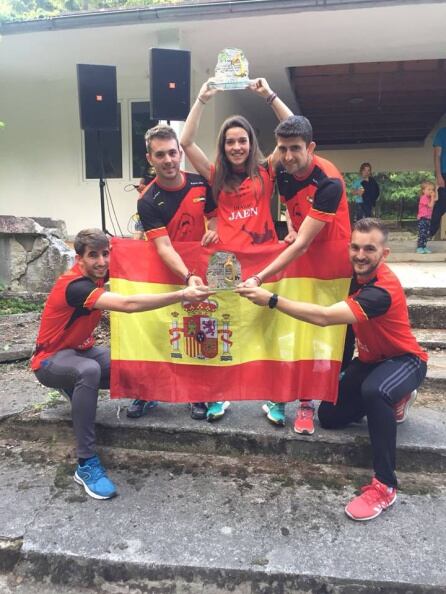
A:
[374,498]
[93,478]
[275,412]
[216,410]
[139,408]
[402,407]
[420,251]
[427,251]
[198,410]
[304,419]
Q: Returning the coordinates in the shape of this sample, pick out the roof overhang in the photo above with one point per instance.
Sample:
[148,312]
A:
[209,9]
[372,102]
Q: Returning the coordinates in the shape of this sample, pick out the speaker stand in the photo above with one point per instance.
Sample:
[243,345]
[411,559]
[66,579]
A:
[102,186]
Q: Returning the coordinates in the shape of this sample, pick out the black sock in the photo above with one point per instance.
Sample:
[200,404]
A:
[83,461]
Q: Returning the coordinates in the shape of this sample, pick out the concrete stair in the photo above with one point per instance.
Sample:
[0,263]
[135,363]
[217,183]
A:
[189,522]
[238,506]
[242,432]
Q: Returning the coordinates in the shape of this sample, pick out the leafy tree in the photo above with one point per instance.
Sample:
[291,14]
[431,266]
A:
[21,10]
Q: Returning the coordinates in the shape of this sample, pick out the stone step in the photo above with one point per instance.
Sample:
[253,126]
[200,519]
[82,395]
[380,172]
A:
[427,311]
[412,256]
[198,524]
[436,371]
[403,249]
[243,431]
[17,335]
[423,279]
[431,339]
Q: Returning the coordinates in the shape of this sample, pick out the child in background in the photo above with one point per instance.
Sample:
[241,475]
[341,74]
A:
[425,205]
[357,191]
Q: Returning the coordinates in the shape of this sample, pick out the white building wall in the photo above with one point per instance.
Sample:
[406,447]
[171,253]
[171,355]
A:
[41,160]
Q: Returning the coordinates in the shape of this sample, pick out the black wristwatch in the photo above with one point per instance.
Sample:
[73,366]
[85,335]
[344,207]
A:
[273,301]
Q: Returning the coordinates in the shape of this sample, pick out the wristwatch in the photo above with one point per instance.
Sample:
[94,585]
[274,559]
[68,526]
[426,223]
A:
[273,301]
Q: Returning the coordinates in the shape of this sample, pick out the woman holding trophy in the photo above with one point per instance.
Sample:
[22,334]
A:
[241,179]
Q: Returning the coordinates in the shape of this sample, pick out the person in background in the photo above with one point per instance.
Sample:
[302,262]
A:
[425,206]
[371,189]
[439,209]
[148,174]
[357,191]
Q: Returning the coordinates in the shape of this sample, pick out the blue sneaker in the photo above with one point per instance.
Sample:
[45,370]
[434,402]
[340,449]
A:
[275,412]
[93,478]
[216,410]
[139,408]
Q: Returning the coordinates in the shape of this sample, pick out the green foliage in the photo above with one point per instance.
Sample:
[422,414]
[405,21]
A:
[53,398]
[16,305]
[24,10]
[400,191]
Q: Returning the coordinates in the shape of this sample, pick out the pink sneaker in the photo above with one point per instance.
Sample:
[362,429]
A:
[304,419]
[402,407]
[374,498]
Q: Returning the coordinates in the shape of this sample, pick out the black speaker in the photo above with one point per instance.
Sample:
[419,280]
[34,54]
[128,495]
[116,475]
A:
[98,100]
[169,84]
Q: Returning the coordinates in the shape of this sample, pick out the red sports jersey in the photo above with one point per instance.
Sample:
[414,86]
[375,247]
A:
[244,215]
[320,195]
[382,329]
[176,212]
[65,326]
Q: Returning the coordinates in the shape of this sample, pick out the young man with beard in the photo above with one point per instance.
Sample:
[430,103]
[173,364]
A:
[314,193]
[173,207]
[381,382]
[65,356]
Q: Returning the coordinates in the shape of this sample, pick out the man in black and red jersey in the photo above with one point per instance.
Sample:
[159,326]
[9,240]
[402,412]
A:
[174,207]
[317,215]
[65,356]
[381,382]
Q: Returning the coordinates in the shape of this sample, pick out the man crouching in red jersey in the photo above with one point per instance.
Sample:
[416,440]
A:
[65,356]
[381,382]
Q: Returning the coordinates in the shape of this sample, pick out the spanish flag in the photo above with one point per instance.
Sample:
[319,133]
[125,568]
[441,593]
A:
[226,348]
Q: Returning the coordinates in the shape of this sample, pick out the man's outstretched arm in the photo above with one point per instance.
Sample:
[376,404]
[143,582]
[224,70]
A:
[146,302]
[174,261]
[307,232]
[319,315]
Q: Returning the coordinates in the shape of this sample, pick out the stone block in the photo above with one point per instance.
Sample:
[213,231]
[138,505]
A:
[31,256]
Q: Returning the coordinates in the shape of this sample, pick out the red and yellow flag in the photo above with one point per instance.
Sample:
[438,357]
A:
[226,348]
